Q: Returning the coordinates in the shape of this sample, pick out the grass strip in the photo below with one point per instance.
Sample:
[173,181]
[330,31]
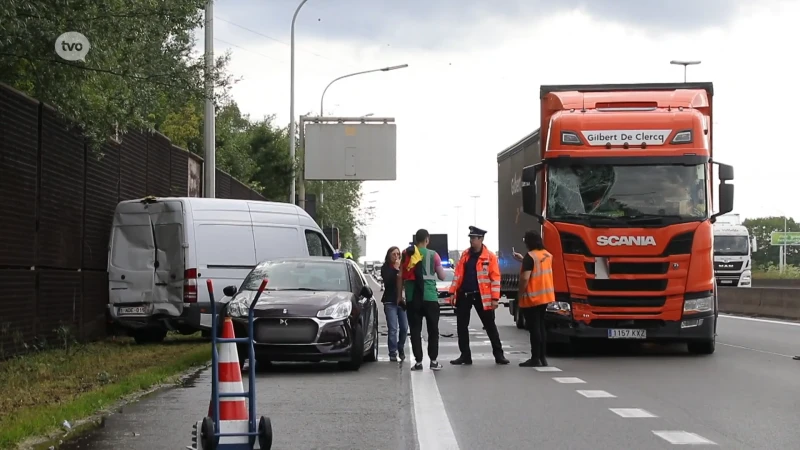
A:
[40,390]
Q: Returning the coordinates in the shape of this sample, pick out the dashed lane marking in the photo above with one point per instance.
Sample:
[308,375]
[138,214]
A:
[632,413]
[755,350]
[754,319]
[568,380]
[683,438]
[433,428]
[547,369]
[595,394]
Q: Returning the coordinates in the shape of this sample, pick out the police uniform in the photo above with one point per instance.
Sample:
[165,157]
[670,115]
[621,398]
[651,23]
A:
[476,284]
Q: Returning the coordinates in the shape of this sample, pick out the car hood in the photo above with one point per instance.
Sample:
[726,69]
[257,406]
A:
[295,302]
[443,285]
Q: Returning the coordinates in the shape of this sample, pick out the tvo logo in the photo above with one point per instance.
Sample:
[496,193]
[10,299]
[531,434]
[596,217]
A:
[72,46]
[629,241]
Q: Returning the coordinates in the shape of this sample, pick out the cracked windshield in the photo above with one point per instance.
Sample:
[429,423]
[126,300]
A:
[399,224]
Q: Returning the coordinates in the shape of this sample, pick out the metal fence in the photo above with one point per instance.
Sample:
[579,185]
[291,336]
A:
[57,199]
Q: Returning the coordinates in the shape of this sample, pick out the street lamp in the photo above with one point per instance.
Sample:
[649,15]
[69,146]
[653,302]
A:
[475,209]
[684,64]
[291,106]
[383,69]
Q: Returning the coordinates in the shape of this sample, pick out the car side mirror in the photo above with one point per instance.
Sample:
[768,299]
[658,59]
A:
[230,291]
[366,292]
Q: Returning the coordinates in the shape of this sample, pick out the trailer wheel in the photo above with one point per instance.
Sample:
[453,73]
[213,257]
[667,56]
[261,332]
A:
[207,439]
[519,319]
[264,433]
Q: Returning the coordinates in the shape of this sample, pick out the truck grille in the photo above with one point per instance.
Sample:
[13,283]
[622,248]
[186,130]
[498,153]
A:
[285,331]
[679,245]
[626,302]
[632,268]
[728,266]
[626,285]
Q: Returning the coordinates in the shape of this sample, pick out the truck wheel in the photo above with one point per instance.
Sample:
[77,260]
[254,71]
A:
[519,319]
[702,347]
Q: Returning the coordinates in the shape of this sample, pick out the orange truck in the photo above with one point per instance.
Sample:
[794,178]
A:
[619,179]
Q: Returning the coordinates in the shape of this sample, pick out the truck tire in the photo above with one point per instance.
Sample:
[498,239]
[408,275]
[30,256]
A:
[702,347]
[519,319]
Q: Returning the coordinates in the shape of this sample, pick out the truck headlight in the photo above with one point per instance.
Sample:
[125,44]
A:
[698,305]
[562,308]
[337,311]
[747,277]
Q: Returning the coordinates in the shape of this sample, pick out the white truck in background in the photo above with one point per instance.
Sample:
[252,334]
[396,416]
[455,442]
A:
[733,250]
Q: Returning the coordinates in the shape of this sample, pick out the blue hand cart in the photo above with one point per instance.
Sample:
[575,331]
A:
[207,431]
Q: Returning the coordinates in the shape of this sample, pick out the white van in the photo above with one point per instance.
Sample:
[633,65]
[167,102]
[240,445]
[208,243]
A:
[162,251]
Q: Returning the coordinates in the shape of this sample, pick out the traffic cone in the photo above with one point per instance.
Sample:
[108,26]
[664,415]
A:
[233,416]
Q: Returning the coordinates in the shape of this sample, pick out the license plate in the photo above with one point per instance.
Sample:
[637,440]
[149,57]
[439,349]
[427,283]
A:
[133,311]
[627,334]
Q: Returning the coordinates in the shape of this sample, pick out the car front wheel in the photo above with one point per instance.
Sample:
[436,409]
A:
[356,350]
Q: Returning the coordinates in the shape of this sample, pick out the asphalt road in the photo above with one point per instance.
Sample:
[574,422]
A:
[745,396]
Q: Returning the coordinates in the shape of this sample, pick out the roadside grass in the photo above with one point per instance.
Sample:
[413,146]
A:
[772,272]
[42,389]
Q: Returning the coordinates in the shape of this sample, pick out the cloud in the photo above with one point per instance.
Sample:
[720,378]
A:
[446,23]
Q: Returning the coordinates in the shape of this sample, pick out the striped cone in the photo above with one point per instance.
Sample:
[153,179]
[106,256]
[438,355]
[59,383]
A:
[233,416]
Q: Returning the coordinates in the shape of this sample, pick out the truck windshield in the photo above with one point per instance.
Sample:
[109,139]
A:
[626,194]
[731,245]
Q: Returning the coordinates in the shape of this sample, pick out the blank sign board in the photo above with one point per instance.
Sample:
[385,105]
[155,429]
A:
[358,152]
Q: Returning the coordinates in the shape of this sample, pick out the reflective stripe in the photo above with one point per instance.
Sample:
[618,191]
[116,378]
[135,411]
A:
[427,266]
[538,293]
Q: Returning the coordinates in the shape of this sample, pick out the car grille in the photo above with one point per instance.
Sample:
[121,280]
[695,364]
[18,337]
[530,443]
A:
[444,294]
[285,331]
[728,266]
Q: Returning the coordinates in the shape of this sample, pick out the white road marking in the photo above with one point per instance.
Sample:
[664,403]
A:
[434,431]
[568,380]
[631,413]
[547,369]
[754,319]
[683,438]
[756,350]
[595,394]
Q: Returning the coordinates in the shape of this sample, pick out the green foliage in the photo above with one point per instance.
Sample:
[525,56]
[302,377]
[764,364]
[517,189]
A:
[340,209]
[139,72]
[772,271]
[762,228]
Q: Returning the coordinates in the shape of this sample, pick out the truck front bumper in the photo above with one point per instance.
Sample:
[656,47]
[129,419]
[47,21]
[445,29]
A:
[699,327]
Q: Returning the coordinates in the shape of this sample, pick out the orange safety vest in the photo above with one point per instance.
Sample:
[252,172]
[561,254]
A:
[488,278]
[540,289]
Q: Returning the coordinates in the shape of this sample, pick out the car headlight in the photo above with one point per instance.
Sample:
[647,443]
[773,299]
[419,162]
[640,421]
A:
[698,305]
[337,311]
[238,308]
[562,308]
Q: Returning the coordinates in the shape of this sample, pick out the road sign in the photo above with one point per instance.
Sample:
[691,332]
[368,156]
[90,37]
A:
[351,151]
[785,238]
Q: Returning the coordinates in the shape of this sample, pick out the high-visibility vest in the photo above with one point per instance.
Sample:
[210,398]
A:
[428,265]
[488,278]
[540,289]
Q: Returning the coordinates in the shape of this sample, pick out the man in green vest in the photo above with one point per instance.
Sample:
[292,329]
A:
[421,267]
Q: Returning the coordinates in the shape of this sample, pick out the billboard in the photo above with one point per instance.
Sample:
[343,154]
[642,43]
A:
[357,152]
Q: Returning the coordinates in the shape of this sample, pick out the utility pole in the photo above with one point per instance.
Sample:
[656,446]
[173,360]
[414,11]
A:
[292,150]
[475,210]
[209,119]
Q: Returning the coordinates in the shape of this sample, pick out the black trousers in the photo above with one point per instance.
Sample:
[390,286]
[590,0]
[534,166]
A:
[418,310]
[534,322]
[464,305]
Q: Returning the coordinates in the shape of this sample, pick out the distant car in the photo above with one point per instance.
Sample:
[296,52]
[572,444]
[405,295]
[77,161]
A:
[444,290]
[312,310]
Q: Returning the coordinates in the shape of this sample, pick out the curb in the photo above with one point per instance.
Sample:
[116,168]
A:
[83,426]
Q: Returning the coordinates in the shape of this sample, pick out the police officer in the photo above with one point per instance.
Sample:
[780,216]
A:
[476,284]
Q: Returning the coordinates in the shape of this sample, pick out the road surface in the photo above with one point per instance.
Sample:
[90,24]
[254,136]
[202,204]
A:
[745,396]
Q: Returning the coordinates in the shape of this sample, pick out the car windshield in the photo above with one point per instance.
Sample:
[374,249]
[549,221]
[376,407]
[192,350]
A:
[623,194]
[731,245]
[299,275]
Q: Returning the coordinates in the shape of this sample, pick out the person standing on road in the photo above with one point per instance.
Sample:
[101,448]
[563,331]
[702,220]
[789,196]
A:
[536,291]
[476,283]
[420,268]
[394,307]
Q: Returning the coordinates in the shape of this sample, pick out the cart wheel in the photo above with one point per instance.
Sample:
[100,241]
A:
[264,433]
[207,438]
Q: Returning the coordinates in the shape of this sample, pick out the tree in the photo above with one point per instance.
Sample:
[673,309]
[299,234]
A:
[340,209]
[762,228]
[139,73]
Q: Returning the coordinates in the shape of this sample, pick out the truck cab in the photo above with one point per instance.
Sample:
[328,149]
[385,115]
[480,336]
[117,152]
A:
[733,250]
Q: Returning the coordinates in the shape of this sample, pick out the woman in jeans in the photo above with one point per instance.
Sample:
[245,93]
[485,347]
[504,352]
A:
[396,320]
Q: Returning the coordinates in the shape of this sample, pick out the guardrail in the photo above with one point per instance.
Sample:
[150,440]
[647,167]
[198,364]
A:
[777,302]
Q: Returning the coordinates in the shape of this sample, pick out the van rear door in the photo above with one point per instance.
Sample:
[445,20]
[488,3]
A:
[146,258]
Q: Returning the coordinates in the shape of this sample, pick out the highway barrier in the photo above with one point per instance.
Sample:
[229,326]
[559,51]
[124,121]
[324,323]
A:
[777,302]
[776,283]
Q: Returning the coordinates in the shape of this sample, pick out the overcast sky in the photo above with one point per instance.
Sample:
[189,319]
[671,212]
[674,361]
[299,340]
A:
[471,88]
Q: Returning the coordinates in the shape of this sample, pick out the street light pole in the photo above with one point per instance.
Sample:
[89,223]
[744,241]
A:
[475,210]
[293,188]
[209,119]
[321,105]
[458,230]
[383,69]
[684,64]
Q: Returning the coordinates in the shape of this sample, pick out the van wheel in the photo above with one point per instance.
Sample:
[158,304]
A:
[144,336]
[702,347]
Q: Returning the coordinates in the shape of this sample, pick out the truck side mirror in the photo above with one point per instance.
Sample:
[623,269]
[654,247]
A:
[753,244]
[725,198]
[725,173]
[530,192]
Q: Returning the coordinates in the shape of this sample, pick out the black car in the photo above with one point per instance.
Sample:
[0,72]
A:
[313,310]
